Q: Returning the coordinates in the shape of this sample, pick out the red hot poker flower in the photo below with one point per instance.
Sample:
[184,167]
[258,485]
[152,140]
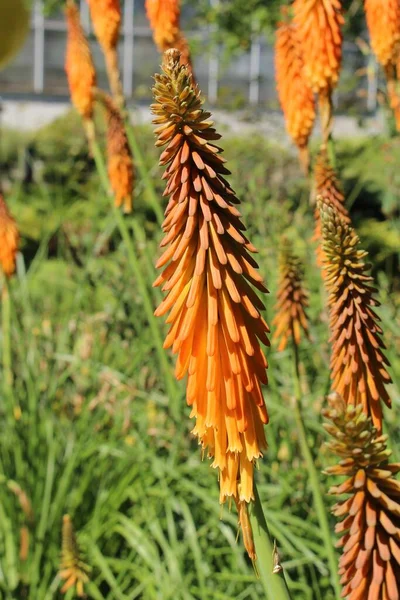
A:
[358,362]
[79,65]
[164,18]
[295,94]
[214,314]
[291,317]
[369,516]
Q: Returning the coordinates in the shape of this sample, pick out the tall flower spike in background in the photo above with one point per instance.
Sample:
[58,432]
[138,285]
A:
[9,239]
[327,188]
[370,517]
[164,18]
[73,570]
[214,314]
[358,364]
[119,156]
[319,25]
[291,317]
[383,21]
[106,18]
[295,94]
[80,70]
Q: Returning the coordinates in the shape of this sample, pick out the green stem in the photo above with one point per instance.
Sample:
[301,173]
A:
[172,388]
[6,326]
[314,479]
[274,583]
[148,308]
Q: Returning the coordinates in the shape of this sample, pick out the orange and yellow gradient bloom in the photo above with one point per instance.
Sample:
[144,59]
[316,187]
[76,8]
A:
[209,276]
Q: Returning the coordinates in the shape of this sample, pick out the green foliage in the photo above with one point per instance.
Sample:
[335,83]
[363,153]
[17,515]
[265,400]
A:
[88,426]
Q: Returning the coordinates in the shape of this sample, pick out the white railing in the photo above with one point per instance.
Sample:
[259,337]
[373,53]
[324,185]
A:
[210,70]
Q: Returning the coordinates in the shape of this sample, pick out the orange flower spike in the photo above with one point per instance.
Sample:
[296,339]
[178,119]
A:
[164,18]
[107,18]
[369,517]
[9,239]
[291,317]
[328,189]
[295,95]
[358,363]
[383,21]
[319,25]
[119,157]
[214,314]
[79,65]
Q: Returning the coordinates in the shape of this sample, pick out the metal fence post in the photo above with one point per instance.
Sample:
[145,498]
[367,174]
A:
[38,47]
[372,83]
[129,36]
[213,65]
[85,15]
[255,70]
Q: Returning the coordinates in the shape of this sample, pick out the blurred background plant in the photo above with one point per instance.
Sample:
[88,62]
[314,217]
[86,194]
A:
[95,438]
[89,429]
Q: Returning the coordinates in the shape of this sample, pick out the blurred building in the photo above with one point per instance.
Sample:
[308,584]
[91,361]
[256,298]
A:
[247,80]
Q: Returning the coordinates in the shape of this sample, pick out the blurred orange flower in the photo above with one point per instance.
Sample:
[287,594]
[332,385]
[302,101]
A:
[383,20]
[295,95]
[215,317]
[9,239]
[319,24]
[164,17]
[291,317]
[79,65]
[106,18]
[119,156]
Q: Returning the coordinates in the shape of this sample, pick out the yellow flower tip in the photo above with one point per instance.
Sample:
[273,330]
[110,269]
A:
[79,65]
[291,317]
[358,363]
[106,17]
[120,165]
[9,240]
[209,276]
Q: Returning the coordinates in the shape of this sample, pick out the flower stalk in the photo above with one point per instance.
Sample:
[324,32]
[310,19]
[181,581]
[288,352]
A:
[290,322]
[268,563]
